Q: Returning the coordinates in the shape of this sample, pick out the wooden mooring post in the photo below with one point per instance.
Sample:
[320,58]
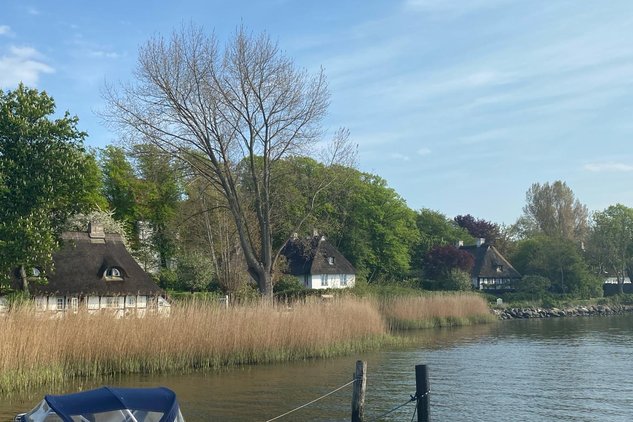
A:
[423,393]
[358,395]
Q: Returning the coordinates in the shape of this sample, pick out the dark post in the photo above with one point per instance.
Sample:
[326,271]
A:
[358,395]
[423,393]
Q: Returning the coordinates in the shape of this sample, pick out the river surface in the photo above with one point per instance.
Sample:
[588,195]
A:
[574,369]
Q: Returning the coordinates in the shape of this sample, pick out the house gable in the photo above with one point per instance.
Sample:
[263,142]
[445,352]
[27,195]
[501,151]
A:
[491,270]
[317,263]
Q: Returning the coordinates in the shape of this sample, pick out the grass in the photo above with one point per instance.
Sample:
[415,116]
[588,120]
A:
[36,350]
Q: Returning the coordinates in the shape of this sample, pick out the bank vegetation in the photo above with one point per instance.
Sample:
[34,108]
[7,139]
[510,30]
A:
[37,350]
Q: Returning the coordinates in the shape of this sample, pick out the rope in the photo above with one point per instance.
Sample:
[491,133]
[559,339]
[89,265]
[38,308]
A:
[413,398]
[311,402]
[394,409]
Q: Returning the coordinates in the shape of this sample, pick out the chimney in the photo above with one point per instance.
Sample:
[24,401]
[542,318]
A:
[96,232]
[480,241]
[459,243]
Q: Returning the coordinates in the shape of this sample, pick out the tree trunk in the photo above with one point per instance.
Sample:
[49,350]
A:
[25,280]
[264,281]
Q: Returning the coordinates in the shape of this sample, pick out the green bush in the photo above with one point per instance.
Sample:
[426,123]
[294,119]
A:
[180,296]
[168,279]
[457,280]
[289,287]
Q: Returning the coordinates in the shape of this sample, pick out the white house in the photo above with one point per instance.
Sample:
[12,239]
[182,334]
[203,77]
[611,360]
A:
[318,264]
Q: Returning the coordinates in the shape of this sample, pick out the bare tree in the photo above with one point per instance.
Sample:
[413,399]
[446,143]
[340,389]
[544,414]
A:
[230,113]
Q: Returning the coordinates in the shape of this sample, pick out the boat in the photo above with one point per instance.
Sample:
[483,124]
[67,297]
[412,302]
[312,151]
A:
[107,404]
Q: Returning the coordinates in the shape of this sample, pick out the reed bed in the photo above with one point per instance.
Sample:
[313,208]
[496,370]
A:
[437,310]
[37,350]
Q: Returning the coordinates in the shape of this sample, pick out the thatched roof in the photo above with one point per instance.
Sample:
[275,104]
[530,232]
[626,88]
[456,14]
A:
[487,260]
[315,256]
[81,264]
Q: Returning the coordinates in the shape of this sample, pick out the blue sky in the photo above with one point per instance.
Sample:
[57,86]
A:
[459,104]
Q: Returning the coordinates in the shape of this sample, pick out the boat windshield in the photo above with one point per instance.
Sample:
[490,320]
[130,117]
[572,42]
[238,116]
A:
[43,413]
[108,405]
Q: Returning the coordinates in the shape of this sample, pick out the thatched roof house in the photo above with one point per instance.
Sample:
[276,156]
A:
[318,264]
[491,270]
[95,270]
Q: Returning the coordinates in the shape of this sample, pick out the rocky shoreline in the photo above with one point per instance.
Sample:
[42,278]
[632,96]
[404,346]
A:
[574,311]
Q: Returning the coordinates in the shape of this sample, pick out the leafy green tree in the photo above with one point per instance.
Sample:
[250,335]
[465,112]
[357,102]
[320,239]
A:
[45,176]
[560,261]
[553,210]
[611,242]
[533,286]
[380,231]
[436,230]
[456,279]
[158,196]
[120,186]
[369,223]
[194,272]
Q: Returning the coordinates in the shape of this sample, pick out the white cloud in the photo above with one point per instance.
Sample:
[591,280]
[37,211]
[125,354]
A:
[398,156]
[611,167]
[83,48]
[5,30]
[104,54]
[33,11]
[423,151]
[22,64]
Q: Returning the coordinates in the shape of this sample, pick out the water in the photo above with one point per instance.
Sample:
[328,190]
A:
[576,369]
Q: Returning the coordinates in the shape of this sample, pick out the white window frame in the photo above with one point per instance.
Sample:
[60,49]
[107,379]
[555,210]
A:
[61,303]
[113,273]
[324,280]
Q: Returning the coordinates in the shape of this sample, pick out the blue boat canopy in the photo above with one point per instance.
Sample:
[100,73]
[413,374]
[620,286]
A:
[110,404]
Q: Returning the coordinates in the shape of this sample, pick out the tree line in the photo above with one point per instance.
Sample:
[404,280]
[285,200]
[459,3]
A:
[225,159]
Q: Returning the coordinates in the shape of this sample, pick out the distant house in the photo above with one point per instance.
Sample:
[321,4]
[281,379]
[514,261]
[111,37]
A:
[491,270]
[318,264]
[95,272]
[611,286]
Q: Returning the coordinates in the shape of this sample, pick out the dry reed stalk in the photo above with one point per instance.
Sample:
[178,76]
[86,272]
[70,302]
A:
[438,309]
[35,349]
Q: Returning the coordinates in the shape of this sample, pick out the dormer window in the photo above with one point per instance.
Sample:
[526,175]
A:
[35,272]
[113,273]
[330,260]
[499,268]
